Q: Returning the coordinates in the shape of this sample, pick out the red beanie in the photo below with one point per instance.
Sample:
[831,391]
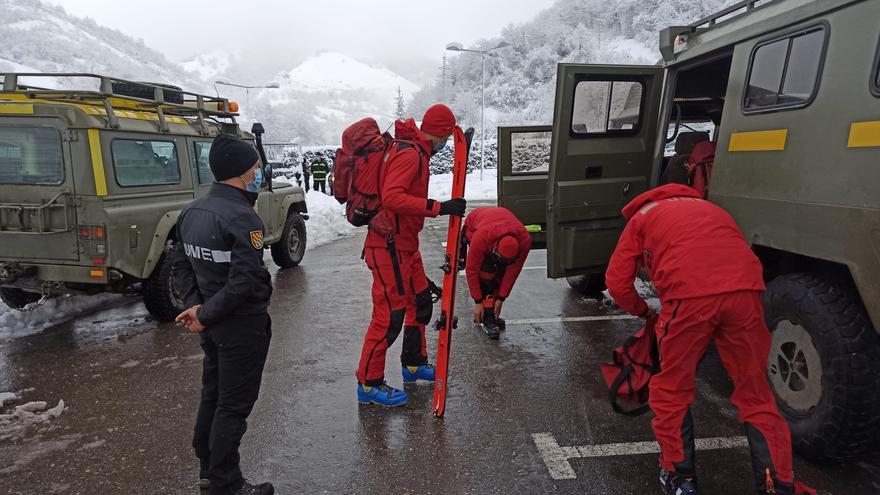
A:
[438,121]
[507,248]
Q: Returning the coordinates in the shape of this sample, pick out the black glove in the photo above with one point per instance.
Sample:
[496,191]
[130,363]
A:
[454,206]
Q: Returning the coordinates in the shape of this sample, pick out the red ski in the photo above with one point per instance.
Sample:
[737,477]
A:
[447,320]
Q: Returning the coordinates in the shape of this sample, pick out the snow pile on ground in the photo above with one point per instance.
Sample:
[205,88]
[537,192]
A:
[326,221]
[13,424]
[440,186]
[645,289]
[53,312]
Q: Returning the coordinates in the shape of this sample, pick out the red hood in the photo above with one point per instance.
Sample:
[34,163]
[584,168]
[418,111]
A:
[408,130]
[656,194]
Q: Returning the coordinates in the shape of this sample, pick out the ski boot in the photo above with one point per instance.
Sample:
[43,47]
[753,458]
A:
[490,324]
[425,372]
[676,484]
[251,489]
[383,395]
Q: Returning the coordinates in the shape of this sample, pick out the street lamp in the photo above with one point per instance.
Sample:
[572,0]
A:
[269,85]
[458,47]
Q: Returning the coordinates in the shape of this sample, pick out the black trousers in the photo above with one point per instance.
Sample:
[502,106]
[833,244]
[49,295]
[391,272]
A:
[307,182]
[321,185]
[235,352]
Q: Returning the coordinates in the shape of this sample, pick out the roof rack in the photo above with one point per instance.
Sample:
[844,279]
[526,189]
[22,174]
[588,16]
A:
[192,104]
[745,7]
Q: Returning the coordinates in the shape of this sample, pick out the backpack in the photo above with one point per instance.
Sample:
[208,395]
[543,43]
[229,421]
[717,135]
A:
[699,167]
[357,174]
[628,377]
[359,170]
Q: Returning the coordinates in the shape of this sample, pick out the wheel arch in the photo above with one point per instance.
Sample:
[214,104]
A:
[165,230]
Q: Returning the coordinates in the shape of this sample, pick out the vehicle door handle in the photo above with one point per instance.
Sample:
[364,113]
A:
[626,188]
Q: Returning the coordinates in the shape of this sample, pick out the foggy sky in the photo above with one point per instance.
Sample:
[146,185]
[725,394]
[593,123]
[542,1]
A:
[408,37]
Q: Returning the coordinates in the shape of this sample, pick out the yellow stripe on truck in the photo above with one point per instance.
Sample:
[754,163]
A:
[17,108]
[97,162]
[864,134]
[773,140]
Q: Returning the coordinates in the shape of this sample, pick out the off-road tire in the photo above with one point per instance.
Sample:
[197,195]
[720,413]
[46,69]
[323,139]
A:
[843,423]
[158,290]
[17,298]
[146,92]
[288,252]
[590,285]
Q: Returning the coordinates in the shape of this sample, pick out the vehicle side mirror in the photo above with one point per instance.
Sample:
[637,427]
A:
[257,129]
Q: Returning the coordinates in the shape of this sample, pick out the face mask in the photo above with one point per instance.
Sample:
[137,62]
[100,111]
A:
[439,147]
[258,181]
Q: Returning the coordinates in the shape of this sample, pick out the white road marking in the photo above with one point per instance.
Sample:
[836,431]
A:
[462,273]
[556,457]
[569,319]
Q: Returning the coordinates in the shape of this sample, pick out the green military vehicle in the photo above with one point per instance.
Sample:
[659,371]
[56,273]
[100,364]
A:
[789,90]
[92,182]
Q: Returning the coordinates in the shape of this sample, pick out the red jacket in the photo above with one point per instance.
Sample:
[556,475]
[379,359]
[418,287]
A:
[689,246]
[404,190]
[482,228]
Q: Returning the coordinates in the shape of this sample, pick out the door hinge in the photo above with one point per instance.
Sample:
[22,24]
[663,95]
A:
[69,136]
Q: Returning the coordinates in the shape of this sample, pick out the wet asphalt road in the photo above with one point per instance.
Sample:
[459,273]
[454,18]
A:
[131,387]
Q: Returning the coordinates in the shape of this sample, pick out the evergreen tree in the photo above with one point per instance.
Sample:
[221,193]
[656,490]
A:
[400,108]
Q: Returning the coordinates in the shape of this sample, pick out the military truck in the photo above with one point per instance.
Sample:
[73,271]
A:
[92,182]
[789,90]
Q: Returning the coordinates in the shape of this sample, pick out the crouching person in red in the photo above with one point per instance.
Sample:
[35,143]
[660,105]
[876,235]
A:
[495,245]
[710,284]
[401,295]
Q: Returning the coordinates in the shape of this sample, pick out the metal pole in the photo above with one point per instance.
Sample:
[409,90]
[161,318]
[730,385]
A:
[482,111]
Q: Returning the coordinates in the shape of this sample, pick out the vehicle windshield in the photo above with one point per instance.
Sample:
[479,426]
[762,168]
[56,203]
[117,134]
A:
[30,155]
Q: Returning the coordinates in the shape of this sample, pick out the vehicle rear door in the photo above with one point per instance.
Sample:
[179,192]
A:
[604,139]
[37,197]
[523,163]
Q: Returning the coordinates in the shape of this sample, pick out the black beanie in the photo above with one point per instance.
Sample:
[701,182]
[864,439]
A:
[231,157]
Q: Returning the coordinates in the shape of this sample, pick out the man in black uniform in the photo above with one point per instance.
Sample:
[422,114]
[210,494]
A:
[306,172]
[221,277]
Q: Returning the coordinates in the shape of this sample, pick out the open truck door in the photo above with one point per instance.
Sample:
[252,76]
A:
[523,164]
[605,134]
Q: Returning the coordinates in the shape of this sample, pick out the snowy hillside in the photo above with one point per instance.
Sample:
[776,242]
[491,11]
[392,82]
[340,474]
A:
[521,78]
[39,37]
[208,66]
[325,93]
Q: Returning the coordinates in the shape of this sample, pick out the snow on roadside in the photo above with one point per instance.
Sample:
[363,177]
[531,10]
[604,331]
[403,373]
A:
[440,186]
[326,221]
[15,423]
[53,312]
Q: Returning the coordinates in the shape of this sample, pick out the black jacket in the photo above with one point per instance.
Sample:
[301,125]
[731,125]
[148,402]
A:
[219,261]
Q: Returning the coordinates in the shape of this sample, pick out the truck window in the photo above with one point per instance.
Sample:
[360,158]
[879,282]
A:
[606,107]
[145,163]
[30,155]
[785,72]
[202,151]
[530,152]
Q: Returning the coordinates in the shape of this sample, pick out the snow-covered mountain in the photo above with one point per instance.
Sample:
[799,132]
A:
[209,66]
[39,37]
[325,93]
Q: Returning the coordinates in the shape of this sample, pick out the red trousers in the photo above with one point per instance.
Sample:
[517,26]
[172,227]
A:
[684,330]
[401,299]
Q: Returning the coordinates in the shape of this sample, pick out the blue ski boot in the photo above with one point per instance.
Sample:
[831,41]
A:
[425,372]
[383,395]
[677,484]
